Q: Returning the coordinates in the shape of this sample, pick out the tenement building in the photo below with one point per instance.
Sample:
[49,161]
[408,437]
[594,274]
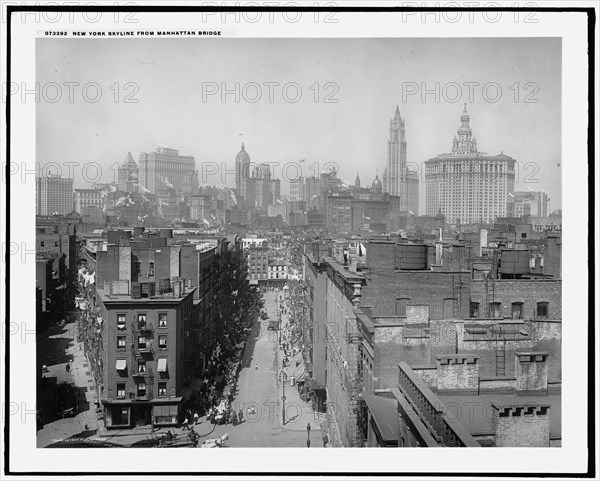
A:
[467,185]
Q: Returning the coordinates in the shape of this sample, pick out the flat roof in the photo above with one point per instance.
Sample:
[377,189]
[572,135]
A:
[475,412]
[156,299]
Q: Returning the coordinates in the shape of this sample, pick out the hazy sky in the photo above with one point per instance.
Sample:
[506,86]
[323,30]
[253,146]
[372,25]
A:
[368,79]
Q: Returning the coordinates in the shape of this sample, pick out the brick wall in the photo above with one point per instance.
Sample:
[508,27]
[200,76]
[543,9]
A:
[417,314]
[521,426]
[420,288]
[529,292]
[107,265]
[389,350]
[457,372]
[531,371]
[427,374]
[543,336]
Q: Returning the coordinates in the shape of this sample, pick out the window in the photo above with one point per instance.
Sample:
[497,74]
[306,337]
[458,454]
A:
[42,244]
[151,269]
[162,342]
[141,365]
[121,322]
[162,388]
[494,309]
[141,321]
[474,309]
[162,319]
[120,390]
[517,310]
[542,309]
[141,389]
[121,340]
[141,342]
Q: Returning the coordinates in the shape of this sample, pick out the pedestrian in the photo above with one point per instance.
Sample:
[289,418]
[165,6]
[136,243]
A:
[186,424]
[68,367]
[308,428]
[241,416]
[196,418]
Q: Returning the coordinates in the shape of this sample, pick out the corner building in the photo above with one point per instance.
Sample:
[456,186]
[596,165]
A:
[468,186]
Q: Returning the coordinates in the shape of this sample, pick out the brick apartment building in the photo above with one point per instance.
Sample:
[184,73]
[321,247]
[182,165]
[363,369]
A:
[153,294]
[144,352]
[415,303]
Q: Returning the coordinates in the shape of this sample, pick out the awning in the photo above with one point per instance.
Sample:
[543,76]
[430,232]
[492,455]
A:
[162,365]
[299,370]
[302,377]
[121,364]
[165,410]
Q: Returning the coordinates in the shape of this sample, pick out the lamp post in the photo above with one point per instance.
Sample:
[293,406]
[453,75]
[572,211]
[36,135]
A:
[283,379]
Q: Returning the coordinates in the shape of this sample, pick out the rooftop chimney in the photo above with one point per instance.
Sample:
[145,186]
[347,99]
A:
[457,372]
[531,371]
[521,425]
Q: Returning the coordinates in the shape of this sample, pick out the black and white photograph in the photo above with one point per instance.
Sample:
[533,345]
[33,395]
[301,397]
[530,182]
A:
[300,229]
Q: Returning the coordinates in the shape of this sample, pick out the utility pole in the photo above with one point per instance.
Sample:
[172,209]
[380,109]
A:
[283,379]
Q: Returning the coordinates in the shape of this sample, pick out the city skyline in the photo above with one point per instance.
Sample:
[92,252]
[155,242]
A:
[352,132]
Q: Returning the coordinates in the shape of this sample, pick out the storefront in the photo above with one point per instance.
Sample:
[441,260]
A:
[165,411]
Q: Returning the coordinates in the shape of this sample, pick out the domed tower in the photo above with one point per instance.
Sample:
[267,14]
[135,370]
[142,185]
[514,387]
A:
[376,187]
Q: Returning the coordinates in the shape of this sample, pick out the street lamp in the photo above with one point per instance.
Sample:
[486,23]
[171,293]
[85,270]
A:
[283,378]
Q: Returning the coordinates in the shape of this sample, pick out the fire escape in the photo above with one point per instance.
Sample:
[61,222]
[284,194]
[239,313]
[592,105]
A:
[353,386]
[142,350]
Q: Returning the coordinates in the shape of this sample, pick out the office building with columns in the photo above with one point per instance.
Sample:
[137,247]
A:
[468,186]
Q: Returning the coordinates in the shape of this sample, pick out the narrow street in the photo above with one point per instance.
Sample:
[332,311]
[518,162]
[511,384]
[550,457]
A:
[258,388]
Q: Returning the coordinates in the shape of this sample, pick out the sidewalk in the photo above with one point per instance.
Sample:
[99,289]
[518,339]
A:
[298,412]
[84,424]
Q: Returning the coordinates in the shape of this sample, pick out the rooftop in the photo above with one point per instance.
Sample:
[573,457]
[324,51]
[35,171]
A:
[475,412]
[385,411]
[156,299]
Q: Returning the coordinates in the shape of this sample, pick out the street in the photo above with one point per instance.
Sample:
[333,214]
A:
[258,388]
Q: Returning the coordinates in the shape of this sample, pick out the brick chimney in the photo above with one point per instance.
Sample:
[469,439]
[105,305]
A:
[457,372]
[521,425]
[531,371]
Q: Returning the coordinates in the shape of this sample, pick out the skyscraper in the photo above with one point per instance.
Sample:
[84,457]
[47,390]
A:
[165,169]
[397,179]
[468,185]
[242,173]
[54,195]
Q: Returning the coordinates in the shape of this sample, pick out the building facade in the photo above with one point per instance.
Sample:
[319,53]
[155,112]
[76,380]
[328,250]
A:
[297,189]
[86,199]
[165,169]
[54,195]
[532,204]
[143,355]
[339,212]
[467,185]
